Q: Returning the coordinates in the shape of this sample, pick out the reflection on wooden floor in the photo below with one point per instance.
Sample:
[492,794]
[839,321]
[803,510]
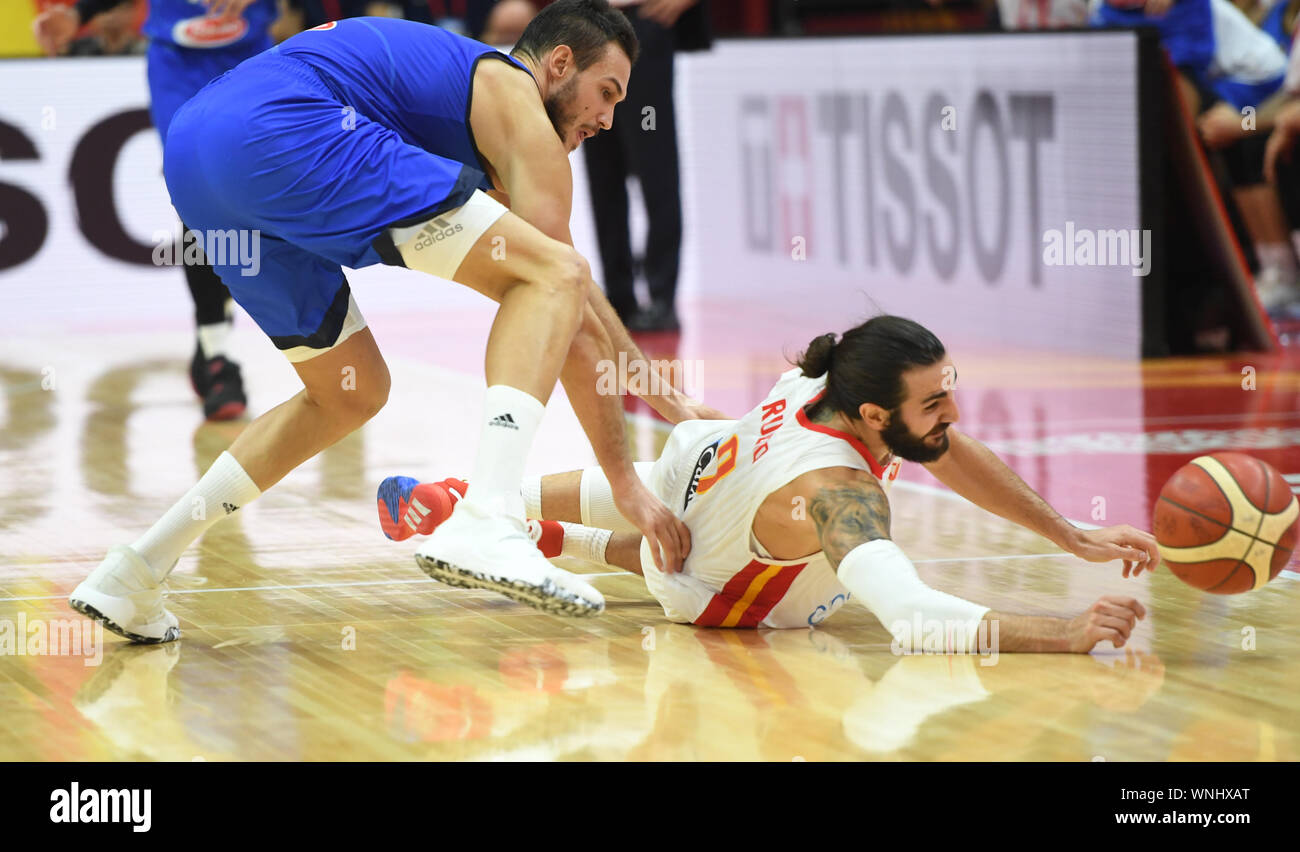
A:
[308,636]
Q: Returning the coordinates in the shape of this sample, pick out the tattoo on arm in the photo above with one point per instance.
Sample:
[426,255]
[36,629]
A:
[849,515]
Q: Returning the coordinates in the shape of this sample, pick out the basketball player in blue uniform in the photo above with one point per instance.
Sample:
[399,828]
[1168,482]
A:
[1212,41]
[376,140]
[190,42]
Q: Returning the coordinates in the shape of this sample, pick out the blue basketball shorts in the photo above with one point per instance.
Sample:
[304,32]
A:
[295,186]
[177,73]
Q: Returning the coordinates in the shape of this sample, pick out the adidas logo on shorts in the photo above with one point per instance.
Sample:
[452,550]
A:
[503,420]
[436,231]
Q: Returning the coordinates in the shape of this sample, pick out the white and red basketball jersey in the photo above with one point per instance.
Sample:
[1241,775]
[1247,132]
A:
[715,474]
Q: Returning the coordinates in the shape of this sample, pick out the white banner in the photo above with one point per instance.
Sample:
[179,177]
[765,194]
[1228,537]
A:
[926,174]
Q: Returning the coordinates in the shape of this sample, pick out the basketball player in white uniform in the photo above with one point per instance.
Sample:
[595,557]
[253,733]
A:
[788,513]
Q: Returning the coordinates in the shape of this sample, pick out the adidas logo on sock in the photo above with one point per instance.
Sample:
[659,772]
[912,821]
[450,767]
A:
[230,508]
[503,420]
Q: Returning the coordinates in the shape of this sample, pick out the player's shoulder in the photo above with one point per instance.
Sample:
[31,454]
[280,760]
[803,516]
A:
[506,107]
[834,478]
[499,73]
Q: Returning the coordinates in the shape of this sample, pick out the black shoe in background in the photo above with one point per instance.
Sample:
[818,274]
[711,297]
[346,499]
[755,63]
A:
[218,382]
[659,316]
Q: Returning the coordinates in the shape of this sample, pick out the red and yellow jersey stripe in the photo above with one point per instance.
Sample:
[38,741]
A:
[749,595]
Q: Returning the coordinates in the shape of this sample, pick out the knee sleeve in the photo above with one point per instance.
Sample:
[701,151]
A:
[597,499]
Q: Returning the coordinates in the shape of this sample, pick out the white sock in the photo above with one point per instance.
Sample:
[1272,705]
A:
[510,419]
[583,542]
[220,492]
[212,338]
[531,491]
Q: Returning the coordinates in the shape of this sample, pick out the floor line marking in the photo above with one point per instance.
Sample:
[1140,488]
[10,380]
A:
[173,592]
[1285,573]
[356,583]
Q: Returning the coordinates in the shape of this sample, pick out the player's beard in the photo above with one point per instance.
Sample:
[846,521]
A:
[908,446]
[559,109]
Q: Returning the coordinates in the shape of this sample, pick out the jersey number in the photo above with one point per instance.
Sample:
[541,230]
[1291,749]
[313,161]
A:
[726,464]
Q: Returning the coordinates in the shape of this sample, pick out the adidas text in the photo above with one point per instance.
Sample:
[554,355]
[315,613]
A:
[435,232]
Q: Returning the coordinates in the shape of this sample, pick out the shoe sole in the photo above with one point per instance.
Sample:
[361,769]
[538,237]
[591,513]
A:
[542,597]
[172,634]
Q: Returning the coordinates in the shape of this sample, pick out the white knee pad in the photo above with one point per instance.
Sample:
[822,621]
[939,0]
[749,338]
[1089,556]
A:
[596,499]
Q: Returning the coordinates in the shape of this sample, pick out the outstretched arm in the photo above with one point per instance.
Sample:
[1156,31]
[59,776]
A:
[852,517]
[973,471]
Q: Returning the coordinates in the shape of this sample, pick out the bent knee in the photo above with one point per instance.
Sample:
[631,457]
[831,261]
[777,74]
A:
[359,396]
[566,273]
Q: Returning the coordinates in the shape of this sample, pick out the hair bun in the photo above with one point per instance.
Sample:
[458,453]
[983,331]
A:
[816,359]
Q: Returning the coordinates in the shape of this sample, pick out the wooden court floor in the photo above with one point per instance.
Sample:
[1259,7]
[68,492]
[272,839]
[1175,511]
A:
[308,636]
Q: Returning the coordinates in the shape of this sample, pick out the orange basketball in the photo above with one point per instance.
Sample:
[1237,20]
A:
[1226,523]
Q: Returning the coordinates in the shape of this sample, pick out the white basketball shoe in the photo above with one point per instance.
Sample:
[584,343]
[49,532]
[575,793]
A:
[478,549]
[123,595]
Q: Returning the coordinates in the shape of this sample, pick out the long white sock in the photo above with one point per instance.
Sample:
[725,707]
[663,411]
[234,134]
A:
[531,491]
[510,419]
[221,491]
[583,542]
[212,338]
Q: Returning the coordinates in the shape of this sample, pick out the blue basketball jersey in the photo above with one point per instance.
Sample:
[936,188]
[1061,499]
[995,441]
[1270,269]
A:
[1273,25]
[185,23]
[1186,30]
[411,77]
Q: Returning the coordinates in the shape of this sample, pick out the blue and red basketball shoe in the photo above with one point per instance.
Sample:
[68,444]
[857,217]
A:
[409,507]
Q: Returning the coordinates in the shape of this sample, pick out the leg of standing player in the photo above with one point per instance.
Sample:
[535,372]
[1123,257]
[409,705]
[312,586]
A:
[541,280]
[216,379]
[175,75]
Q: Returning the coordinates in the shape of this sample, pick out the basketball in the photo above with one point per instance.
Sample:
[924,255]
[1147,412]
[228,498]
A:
[1226,523]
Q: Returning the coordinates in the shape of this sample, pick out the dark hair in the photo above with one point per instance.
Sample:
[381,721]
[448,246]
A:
[586,26]
[868,362]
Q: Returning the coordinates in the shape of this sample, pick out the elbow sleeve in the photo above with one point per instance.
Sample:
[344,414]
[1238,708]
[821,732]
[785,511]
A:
[879,574]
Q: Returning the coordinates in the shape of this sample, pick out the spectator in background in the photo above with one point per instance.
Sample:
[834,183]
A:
[299,15]
[1212,42]
[643,142]
[1040,14]
[190,43]
[113,33]
[506,22]
[1242,145]
[1282,170]
[1232,73]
